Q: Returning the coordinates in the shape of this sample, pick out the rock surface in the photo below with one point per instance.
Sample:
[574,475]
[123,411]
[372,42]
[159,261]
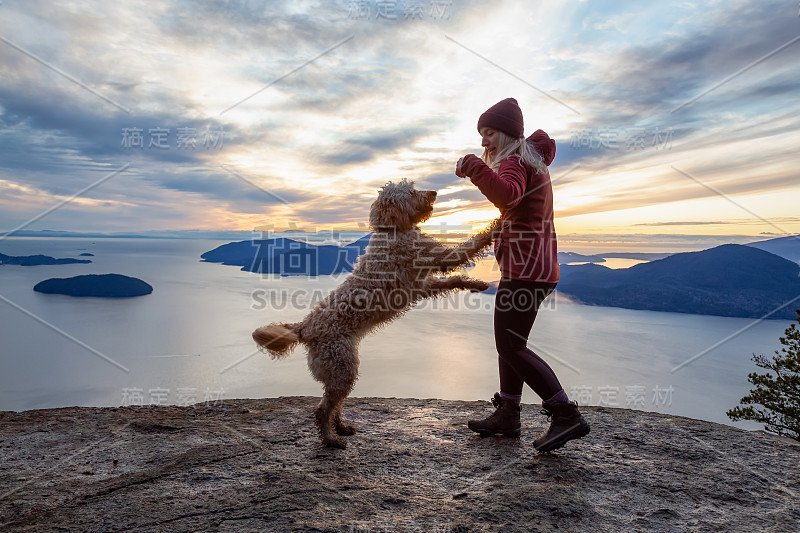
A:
[256,465]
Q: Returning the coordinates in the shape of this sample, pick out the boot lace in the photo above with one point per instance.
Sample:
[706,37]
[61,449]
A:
[549,413]
[498,405]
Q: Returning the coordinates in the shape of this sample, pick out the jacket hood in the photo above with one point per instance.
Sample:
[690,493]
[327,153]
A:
[544,145]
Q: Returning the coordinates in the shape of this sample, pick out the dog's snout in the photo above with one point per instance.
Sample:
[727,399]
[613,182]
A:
[431,195]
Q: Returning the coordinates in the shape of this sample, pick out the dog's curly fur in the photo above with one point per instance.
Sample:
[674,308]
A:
[401,266]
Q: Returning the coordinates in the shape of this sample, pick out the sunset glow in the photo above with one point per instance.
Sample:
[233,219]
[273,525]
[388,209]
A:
[668,119]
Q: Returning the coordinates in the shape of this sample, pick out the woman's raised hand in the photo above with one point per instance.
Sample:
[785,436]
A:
[458,169]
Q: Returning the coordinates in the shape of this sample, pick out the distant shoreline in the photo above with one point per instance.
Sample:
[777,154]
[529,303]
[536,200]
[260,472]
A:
[622,244]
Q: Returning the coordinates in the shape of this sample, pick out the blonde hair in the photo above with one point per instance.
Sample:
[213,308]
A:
[508,146]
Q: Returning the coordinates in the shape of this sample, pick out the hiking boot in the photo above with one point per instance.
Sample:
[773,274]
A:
[505,420]
[567,424]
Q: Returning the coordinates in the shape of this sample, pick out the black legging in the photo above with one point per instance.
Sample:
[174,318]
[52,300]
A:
[516,305]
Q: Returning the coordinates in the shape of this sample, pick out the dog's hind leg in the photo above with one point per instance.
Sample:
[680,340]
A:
[342,427]
[328,414]
[336,366]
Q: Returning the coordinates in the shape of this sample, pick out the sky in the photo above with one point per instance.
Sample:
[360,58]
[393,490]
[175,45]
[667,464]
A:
[674,121]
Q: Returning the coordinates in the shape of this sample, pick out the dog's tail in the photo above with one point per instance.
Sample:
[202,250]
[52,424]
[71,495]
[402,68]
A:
[277,339]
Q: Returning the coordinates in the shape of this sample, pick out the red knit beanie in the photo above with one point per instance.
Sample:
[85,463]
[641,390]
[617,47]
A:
[505,116]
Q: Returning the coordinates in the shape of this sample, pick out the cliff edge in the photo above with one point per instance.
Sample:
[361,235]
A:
[256,465]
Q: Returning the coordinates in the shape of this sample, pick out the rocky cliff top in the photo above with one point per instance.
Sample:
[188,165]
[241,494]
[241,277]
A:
[256,465]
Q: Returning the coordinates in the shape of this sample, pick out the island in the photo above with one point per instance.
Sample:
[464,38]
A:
[288,257]
[786,247]
[729,280]
[573,257]
[642,256]
[36,260]
[95,285]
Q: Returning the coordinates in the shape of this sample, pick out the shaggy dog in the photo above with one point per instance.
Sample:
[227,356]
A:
[400,267]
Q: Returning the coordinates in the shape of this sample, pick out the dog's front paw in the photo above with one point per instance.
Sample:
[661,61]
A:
[478,286]
[495,226]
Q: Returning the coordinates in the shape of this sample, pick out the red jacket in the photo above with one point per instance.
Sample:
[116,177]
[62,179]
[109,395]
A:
[526,248]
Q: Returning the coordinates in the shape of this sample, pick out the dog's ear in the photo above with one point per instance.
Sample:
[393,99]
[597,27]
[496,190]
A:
[400,215]
[385,213]
[394,207]
[376,216]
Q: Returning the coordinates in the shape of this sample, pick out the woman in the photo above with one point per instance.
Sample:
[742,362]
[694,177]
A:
[513,176]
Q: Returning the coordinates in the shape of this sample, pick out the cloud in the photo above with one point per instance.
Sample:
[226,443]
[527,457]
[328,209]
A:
[398,99]
[440,181]
[367,147]
[656,77]
[246,194]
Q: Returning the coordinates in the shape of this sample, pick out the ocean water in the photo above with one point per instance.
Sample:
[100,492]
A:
[190,341]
